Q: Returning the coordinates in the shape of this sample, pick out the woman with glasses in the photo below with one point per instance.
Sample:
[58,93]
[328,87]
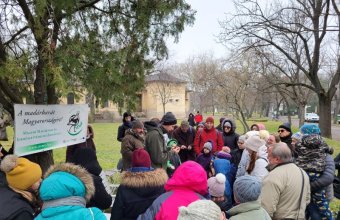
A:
[285,134]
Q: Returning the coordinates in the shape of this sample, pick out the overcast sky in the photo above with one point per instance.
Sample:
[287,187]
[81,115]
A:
[201,37]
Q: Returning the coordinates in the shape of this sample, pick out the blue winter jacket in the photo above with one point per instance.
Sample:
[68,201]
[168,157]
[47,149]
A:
[59,186]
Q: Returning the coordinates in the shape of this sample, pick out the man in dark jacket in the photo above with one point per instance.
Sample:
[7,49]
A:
[139,187]
[134,138]
[185,135]
[285,134]
[156,139]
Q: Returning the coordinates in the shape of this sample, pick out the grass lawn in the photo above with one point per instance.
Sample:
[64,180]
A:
[108,148]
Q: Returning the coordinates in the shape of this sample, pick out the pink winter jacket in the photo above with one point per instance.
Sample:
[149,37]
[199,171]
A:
[188,184]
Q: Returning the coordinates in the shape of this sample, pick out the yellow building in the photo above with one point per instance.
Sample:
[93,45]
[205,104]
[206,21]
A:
[161,90]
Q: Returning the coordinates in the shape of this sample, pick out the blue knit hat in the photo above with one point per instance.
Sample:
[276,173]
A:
[297,136]
[247,188]
[308,129]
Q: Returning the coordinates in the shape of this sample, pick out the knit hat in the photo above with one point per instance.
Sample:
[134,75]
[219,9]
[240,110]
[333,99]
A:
[201,124]
[185,123]
[20,173]
[208,145]
[264,134]
[200,210]
[286,126]
[254,143]
[223,155]
[216,185]
[171,142]
[209,119]
[87,158]
[137,124]
[140,158]
[252,133]
[242,138]
[227,124]
[297,136]
[169,119]
[307,129]
[247,188]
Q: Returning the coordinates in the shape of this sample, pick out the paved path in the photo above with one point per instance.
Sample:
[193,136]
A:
[335,129]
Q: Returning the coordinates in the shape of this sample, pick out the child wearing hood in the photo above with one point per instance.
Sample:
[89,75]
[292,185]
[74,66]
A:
[312,153]
[174,159]
[205,159]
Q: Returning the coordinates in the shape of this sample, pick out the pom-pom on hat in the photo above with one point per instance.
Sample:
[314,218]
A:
[169,119]
[208,145]
[209,119]
[286,126]
[254,143]
[247,188]
[137,124]
[20,173]
[200,210]
[140,158]
[216,185]
[308,129]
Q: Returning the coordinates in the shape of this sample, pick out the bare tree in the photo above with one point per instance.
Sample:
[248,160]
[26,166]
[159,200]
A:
[308,23]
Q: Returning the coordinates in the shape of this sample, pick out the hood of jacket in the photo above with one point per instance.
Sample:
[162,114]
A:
[150,124]
[233,126]
[189,176]
[65,180]
[144,183]
[262,152]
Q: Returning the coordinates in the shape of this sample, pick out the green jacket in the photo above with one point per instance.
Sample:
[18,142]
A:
[248,211]
[155,146]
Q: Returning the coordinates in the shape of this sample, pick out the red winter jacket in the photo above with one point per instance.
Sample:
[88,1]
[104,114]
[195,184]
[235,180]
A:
[198,118]
[204,135]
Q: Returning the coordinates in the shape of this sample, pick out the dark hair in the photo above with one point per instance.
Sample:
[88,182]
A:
[126,114]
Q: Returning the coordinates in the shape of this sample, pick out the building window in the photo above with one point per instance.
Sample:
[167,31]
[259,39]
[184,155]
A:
[106,104]
[70,98]
[177,100]
[170,100]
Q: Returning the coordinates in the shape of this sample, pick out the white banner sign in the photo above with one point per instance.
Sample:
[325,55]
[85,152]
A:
[45,127]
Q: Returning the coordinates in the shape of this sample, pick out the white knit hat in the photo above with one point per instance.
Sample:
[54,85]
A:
[216,185]
[200,210]
[254,143]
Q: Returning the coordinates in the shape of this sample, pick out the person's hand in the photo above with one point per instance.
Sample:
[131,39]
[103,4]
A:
[189,147]
[183,147]
[226,149]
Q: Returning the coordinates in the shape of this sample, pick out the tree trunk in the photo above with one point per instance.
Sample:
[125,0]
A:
[163,108]
[325,115]
[336,108]
[301,109]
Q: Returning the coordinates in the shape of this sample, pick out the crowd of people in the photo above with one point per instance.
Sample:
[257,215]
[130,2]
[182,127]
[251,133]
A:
[191,171]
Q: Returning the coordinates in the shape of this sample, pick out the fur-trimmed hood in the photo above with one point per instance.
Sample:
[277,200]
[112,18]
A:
[154,178]
[62,180]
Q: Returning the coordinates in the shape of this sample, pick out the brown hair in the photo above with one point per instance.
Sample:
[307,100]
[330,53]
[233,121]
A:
[253,158]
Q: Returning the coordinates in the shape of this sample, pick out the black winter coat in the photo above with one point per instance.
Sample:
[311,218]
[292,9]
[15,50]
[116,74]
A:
[121,130]
[137,192]
[14,206]
[230,139]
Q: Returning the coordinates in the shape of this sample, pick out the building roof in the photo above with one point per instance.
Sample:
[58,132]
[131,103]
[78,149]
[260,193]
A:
[163,77]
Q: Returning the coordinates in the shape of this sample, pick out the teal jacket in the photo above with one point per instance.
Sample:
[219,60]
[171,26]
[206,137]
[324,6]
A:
[64,193]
